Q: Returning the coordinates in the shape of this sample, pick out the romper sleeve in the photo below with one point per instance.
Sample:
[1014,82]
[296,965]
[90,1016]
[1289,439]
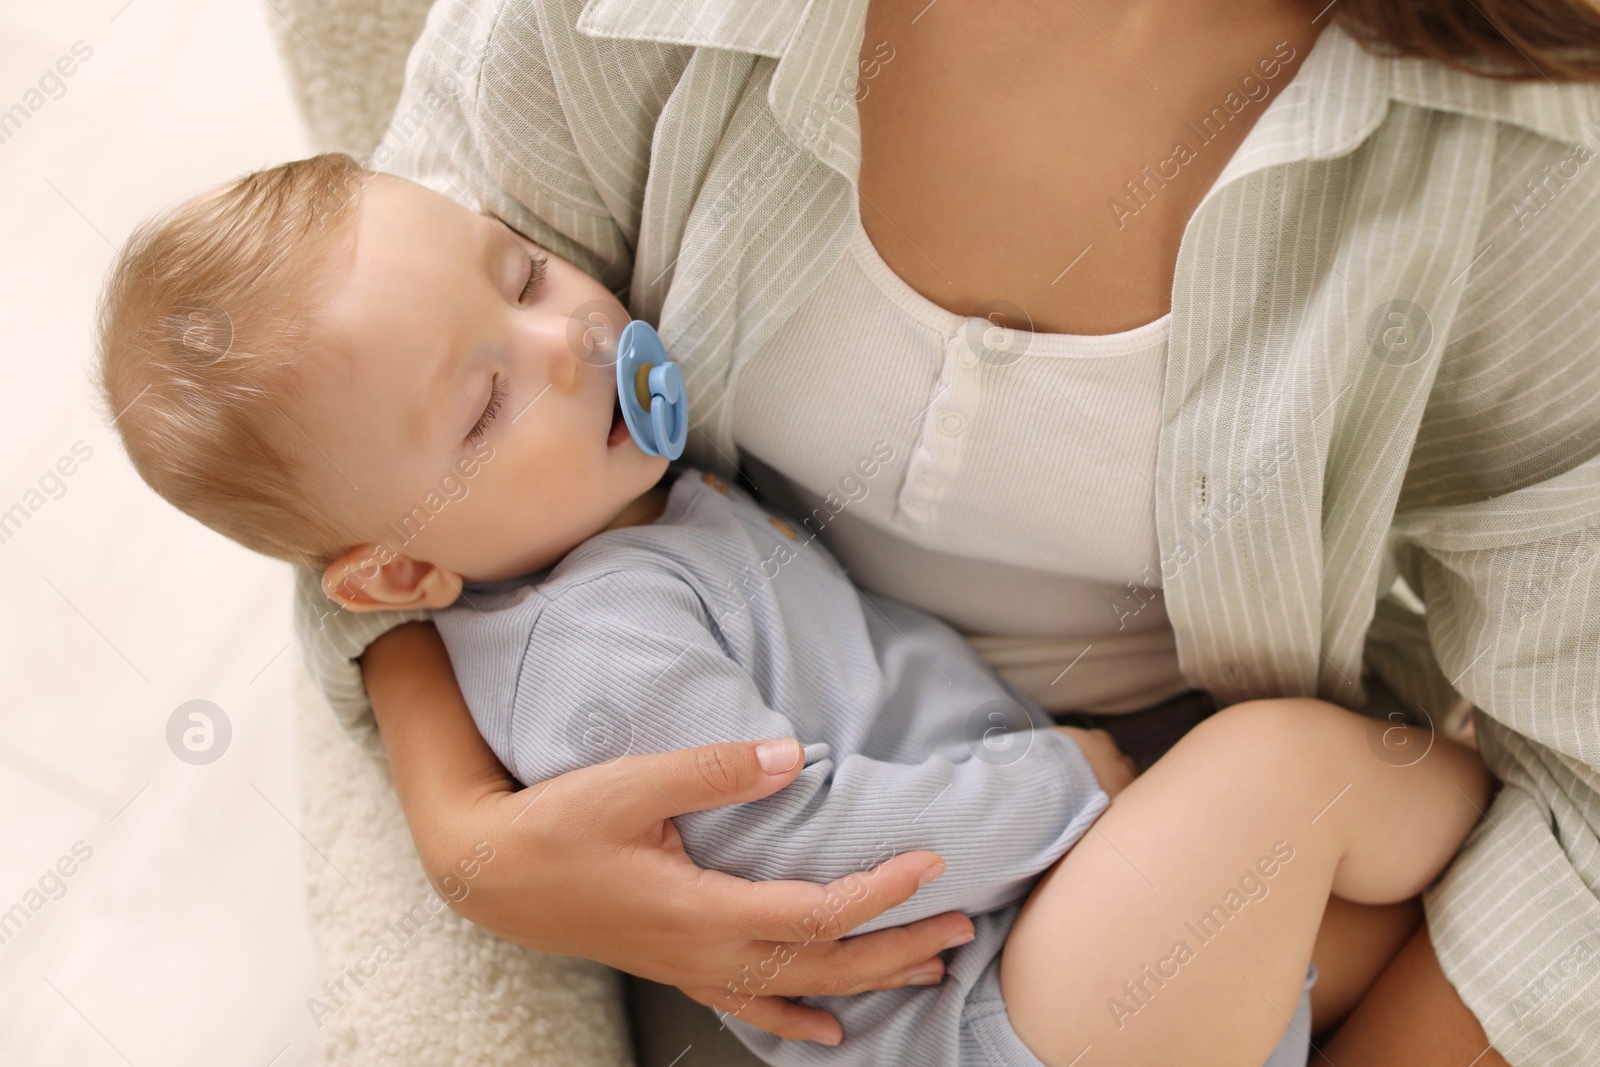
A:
[1499,535]
[629,662]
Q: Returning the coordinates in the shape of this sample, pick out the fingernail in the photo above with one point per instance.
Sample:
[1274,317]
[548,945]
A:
[930,874]
[959,939]
[924,978]
[778,756]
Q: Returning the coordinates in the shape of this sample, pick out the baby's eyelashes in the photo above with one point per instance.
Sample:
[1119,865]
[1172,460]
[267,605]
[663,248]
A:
[496,400]
[536,265]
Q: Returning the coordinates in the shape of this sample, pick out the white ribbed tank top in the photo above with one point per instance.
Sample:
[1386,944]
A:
[1017,499]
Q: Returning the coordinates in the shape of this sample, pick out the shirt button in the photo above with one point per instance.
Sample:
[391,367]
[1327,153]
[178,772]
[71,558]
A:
[951,423]
[968,359]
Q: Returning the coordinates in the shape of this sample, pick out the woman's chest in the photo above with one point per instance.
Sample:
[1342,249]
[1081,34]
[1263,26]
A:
[1034,162]
[945,432]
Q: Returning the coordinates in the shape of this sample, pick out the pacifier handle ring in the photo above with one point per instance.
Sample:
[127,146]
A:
[668,439]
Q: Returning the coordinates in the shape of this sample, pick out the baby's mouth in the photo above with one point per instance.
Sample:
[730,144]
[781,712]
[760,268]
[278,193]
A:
[619,426]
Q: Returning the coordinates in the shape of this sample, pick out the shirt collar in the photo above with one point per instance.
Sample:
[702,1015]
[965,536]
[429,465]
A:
[1347,90]
[816,43]
[759,26]
[1339,97]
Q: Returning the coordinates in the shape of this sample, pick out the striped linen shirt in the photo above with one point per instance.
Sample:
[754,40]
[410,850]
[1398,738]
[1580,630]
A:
[1384,363]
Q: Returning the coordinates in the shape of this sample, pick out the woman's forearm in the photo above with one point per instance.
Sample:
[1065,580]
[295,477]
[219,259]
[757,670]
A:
[439,761]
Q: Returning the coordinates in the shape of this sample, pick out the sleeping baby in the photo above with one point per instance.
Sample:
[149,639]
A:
[355,373]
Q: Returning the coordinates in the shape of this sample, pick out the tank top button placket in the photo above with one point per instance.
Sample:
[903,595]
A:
[940,441]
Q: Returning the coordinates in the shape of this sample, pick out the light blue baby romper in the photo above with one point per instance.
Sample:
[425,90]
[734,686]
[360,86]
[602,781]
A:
[720,622]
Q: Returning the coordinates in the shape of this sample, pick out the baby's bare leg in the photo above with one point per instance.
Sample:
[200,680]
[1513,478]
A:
[1180,927]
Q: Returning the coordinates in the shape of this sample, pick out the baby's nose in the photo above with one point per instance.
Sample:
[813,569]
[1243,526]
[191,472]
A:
[564,345]
[593,330]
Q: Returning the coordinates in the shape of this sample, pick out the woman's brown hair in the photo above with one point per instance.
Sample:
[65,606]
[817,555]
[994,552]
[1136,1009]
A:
[1512,40]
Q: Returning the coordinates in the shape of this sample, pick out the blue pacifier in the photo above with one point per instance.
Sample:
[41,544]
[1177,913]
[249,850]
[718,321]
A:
[650,389]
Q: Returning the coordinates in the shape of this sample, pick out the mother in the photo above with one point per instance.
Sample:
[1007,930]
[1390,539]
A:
[1190,327]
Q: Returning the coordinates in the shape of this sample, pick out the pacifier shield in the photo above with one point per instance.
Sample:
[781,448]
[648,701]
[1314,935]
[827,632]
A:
[650,390]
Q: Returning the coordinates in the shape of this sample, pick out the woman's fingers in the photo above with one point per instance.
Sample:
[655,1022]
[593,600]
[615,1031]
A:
[635,793]
[775,1015]
[801,926]
[634,799]
[803,911]
[883,959]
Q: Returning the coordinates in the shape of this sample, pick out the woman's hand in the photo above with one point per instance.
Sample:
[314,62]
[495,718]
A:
[590,864]
[1110,766]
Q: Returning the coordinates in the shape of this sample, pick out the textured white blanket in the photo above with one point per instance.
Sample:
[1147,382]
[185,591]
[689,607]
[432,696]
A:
[405,981]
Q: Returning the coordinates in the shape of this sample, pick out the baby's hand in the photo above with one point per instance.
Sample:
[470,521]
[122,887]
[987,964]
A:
[1113,769]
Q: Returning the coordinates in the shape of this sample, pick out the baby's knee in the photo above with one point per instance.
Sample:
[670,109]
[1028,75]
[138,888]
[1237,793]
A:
[1283,727]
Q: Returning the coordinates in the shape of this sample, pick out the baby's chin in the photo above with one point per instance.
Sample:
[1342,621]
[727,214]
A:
[492,545]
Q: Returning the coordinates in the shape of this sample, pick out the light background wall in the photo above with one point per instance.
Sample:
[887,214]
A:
[183,940]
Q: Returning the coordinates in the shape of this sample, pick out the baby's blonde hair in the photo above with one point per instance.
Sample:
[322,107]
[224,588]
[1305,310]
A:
[202,328]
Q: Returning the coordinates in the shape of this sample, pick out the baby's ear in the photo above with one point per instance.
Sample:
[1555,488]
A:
[371,578]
